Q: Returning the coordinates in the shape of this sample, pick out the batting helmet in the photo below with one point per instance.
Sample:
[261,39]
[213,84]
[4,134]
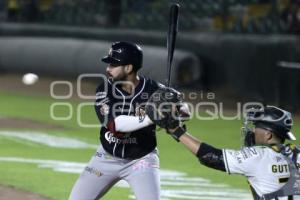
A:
[273,119]
[124,53]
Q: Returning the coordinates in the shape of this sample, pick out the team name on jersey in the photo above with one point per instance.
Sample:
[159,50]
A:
[112,139]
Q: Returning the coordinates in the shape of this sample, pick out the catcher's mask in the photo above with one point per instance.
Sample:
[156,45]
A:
[270,118]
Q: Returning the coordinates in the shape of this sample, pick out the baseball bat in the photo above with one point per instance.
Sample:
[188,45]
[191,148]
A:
[171,39]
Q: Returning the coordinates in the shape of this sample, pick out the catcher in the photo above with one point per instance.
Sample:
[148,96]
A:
[270,166]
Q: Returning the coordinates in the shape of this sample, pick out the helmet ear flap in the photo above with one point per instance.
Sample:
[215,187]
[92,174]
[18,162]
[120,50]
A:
[249,139]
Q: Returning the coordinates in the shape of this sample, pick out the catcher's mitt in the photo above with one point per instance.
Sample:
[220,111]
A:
[162,107]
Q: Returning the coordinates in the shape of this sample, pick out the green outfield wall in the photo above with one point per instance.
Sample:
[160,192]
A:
[250,66]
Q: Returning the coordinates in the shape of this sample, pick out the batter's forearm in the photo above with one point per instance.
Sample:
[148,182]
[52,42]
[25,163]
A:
[124,123]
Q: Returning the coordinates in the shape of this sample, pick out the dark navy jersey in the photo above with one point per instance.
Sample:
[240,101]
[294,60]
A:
[112,101]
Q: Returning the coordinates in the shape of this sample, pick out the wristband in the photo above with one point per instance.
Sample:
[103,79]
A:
[178,133]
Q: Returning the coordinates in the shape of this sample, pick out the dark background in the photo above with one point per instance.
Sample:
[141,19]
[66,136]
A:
[247,49]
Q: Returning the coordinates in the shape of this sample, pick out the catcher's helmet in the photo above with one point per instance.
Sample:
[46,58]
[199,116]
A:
[124,53]
[273,119]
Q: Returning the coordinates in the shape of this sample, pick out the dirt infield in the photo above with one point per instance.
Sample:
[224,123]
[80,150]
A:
[11,193]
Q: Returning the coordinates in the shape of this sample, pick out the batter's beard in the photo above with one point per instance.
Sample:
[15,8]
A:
[121,77]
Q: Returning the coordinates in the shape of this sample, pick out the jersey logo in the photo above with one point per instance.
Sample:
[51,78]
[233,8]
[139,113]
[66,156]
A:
[141,113]
[93,170]
[243,155]
[278,159]
[104,110]
[112,139]
[248,153]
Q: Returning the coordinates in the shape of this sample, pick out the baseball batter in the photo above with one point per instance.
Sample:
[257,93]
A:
[128,142]
[271,167]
